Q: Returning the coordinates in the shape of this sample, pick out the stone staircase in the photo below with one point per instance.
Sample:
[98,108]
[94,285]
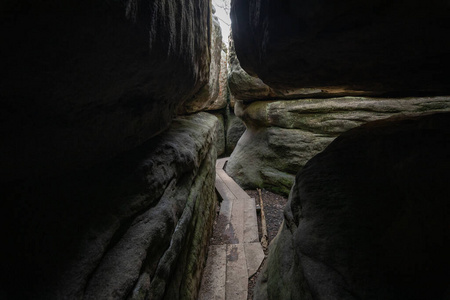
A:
[232,262]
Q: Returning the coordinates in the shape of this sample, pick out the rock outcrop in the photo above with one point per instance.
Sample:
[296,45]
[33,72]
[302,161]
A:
[368,217]
[84,82]
[282,136]
[136,227]
[346,47]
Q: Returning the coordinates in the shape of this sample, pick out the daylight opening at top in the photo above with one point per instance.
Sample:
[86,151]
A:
[223,13]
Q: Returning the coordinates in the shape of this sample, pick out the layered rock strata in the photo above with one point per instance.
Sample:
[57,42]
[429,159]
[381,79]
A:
[282,136]
[136,227]
[367,217]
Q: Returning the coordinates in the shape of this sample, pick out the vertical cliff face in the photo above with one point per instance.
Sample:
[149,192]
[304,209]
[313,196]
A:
[82,82]
[136,226]
[106,193]
[210,91]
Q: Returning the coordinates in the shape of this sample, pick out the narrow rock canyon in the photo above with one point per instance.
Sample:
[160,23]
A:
[113,114]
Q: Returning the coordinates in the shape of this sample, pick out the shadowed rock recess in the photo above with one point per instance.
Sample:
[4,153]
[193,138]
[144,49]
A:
[84,81]
[372,47]
[136,226]
[105,192]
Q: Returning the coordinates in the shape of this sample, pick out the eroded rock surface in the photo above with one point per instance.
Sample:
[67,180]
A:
[282,136]
[346,46]
[246,87]
[220,135]
[222,97]
[83,82]
[235,129]
[368,217]
[209,93]
[136,227]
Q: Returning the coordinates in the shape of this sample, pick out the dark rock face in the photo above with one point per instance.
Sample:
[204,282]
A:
[220,135]
[210,91]
[245,87]
[136,227]
[83,82]
[368,217]
[282,136]
[235,129]
[361,47]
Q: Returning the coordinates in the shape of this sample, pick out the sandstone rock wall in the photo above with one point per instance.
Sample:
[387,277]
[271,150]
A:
[136,227]
[85,81]
[222,98]
[367,217]
[346,46]
[220,134]
[282,136]
[210,91]
[243,86]
[235,128]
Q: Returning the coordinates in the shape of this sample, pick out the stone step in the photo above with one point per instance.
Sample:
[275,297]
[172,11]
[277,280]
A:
[237,221]
[220,163]
[236,286]
[223,189]
[250,221]
[254,255]
[229,266]
[238,192]
[214,274]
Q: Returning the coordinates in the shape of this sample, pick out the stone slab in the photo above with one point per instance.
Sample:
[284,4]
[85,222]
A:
[250,222]
[236,287]
[225,209]
[254,255]
[232,185]
[223,226]
[214,275]
[223,189]
[220,163]
[237,221]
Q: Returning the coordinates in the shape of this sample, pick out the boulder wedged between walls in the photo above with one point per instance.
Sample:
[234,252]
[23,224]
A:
[281,136]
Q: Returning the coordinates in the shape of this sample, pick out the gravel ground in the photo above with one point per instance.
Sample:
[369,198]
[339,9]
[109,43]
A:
[273,210]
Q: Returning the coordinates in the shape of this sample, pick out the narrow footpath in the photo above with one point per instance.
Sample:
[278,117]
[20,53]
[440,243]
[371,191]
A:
[231,262]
